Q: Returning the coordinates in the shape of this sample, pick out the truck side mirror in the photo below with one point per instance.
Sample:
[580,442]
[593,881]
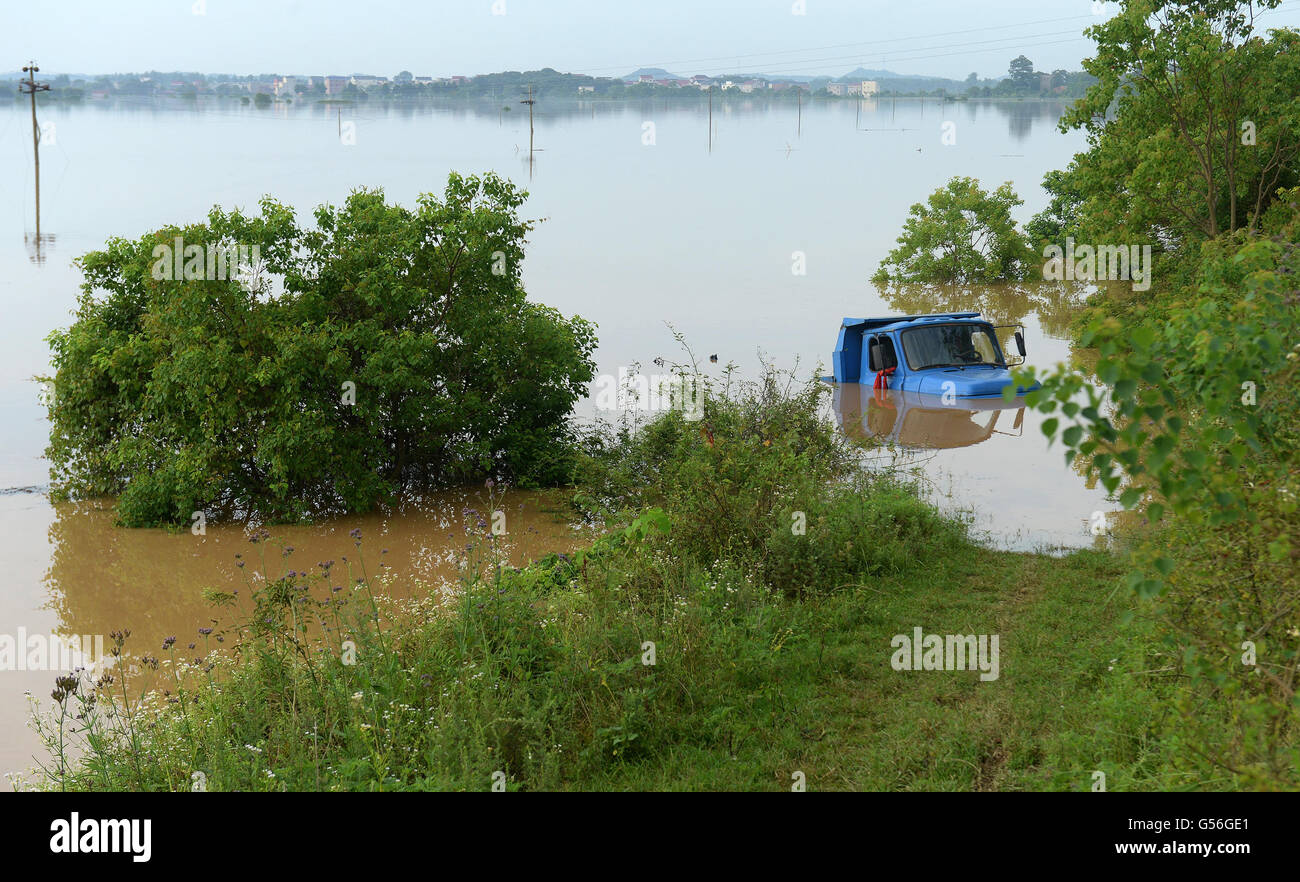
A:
[875,356]
[1020,343]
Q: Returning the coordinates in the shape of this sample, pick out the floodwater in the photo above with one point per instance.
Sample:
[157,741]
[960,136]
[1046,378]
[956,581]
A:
[754,247]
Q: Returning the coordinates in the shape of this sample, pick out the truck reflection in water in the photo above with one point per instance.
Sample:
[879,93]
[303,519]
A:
[916,419]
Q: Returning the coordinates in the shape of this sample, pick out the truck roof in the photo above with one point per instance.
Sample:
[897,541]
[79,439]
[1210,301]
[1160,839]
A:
[893,322]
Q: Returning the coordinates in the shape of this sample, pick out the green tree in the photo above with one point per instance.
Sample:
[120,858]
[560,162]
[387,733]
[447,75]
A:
[1193,124]
[384,348]
[1022,74]
[1061,216]
[960,234]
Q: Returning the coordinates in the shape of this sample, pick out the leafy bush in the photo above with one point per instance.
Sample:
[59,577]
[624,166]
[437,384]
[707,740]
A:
[866,529]
[759,449]
[1201,431]
[386,347]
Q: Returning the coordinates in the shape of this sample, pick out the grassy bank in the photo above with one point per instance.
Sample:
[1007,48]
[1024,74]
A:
[732,630]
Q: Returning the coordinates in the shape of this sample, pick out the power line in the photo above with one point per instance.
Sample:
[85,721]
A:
[1287,5]
[1021,49]
[666,64]
[1016,45]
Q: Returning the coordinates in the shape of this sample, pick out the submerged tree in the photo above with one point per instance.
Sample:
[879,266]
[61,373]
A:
[320,370]
[960,234]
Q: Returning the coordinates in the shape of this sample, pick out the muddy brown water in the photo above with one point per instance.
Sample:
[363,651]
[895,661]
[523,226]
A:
[97,578]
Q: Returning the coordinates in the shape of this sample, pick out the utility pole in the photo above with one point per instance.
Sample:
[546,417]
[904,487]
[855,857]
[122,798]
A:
[798,91]
[530,102]
[710,117]
[31,87]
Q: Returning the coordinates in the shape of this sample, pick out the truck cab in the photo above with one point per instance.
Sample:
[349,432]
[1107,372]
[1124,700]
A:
[952,354]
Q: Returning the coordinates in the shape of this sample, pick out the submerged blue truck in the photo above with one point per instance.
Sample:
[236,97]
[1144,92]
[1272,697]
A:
[926,353]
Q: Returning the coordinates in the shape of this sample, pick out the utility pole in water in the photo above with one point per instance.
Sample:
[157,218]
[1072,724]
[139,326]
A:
[798,91]
[530,102]
[710,117]
[31,87]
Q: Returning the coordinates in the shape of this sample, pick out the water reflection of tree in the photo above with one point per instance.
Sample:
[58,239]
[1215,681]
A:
[1021,115]
[103,577]
[1055,304]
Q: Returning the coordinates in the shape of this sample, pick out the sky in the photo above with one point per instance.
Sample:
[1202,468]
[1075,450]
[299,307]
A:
[949,38]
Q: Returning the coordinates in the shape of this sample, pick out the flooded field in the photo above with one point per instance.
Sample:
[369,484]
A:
[754,248]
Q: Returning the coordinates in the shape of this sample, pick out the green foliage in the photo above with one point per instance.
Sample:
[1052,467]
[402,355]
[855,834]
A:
[1022,73]
[1200,427]
[1061,216]
[960,234]
[1193,126]
[864,528]
[759,450]
[233,396]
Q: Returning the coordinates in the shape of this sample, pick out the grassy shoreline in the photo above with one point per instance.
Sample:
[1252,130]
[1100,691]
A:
[770,649]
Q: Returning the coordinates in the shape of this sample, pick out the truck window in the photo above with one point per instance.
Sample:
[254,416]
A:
[952,345]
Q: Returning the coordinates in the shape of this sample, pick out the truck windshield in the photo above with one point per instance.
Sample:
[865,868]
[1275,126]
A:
[955,345]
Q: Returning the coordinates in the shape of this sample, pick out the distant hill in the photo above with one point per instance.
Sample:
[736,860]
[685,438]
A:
[866,73]
[657,72]
[759,75]
[902,82]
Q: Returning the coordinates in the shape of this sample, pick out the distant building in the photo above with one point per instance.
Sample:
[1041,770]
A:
[870,88]
[283,85]
[646,78]
[335,85]
[837,88]
[586,89]
[459,81]
[423,81]
[368,82]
